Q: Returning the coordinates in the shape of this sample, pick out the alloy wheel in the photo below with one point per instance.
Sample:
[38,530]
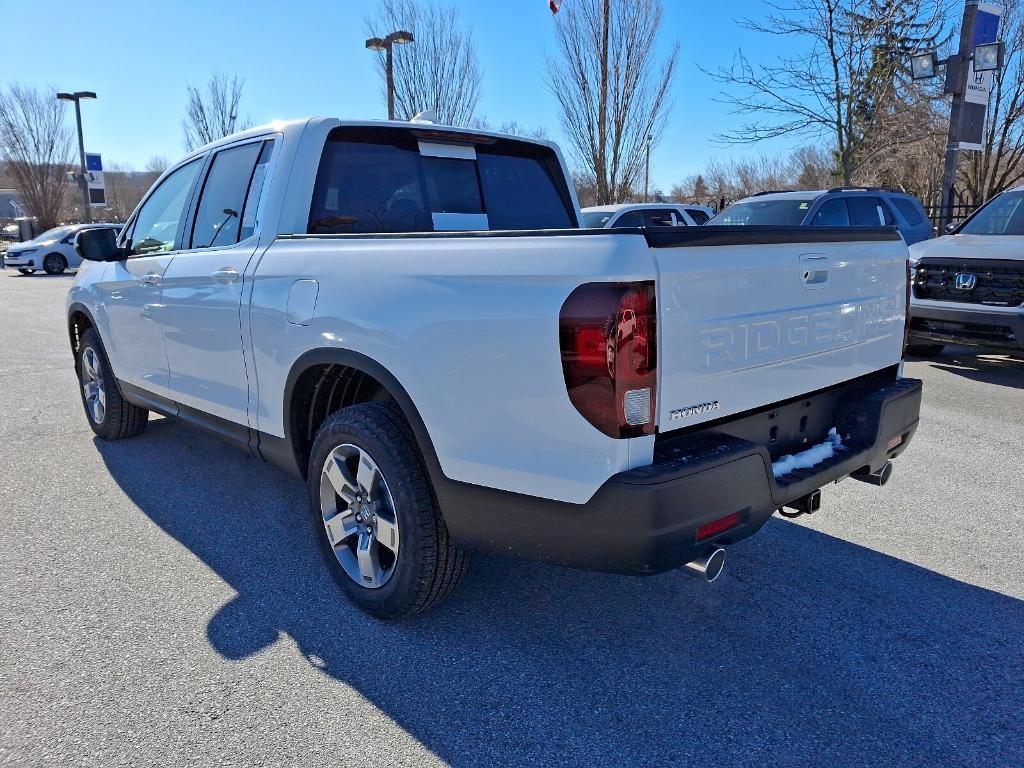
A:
[359,516]
[93,385]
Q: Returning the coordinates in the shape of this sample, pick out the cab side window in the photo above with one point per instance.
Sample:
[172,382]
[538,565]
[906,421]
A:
[156,226]
[227,206]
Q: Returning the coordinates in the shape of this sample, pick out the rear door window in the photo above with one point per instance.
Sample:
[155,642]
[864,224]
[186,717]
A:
[658,218]
[218,220]
[911,211]
[377,180]
[868,212]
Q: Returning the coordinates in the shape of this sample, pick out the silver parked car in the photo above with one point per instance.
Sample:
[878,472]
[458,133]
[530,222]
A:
[53,251]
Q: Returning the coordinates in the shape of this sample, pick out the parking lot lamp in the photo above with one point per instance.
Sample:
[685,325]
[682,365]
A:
[386,45]
[77,97]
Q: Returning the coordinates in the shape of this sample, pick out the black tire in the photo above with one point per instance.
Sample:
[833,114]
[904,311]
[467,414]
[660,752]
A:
[54,264]
[427,566]
[925,350]
[27,271]
[120,419]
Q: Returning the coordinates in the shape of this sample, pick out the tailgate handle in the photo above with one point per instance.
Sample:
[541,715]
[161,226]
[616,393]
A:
[814,271]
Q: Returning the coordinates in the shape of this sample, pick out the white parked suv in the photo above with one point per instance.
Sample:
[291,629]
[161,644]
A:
[969,285]
[53,251]
[410,318]
[645,215]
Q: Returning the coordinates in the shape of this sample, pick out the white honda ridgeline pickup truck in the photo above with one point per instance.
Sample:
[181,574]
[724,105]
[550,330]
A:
[409,317]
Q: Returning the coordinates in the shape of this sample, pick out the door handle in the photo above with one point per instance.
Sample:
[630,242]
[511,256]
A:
[225,275]
[150,278]
[814,271]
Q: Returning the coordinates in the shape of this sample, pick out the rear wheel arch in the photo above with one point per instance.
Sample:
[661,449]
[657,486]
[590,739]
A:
[322,381]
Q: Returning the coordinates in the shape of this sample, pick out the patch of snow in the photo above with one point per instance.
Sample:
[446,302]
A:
[811,457]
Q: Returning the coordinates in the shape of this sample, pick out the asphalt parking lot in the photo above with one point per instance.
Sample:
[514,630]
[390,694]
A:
[162,603]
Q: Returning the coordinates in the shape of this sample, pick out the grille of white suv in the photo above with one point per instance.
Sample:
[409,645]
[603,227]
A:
[993,283]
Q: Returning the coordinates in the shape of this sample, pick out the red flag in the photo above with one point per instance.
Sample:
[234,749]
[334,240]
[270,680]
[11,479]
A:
[554,5]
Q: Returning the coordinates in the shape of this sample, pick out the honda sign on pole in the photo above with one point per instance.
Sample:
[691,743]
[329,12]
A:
[94,181]
[979,84]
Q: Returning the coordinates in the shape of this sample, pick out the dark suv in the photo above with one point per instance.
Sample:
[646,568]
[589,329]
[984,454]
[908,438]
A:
[840,207]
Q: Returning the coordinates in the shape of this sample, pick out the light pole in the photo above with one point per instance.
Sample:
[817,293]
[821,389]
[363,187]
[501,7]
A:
[77,97]
[979,52]
[387,44]
[647,172]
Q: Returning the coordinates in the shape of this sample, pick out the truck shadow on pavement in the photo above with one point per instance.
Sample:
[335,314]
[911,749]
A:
[808,651]
[984,368]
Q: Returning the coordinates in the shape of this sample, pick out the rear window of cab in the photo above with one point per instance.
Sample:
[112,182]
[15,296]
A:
[395,180]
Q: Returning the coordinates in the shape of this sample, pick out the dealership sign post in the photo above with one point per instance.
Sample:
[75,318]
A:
[94,180]
[978,82]
[969,75]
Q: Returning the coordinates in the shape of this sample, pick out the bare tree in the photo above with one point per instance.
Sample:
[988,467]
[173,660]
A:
[35,144]
[438,72]
[999,165]
[126,187]
[612,92]
[157,164]
[809,167]
[905,150]
[846,77]
[511,127]
[214,114]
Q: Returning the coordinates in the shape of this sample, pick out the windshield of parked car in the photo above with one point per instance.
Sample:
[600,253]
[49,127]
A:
[1003,215]
[596,219]
[54,234]
[789,211]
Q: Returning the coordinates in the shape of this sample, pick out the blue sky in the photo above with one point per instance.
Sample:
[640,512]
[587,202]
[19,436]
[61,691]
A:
[307,57]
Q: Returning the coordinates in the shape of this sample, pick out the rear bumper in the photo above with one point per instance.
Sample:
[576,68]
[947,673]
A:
[645,520]
[967,325]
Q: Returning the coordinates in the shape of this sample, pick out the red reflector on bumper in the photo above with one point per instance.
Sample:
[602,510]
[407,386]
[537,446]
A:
[894,442]
[716,527]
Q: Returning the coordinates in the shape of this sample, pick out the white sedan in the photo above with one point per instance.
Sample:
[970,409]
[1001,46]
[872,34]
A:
[645,215]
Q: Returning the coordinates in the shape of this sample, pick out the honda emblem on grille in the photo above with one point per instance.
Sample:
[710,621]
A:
[965,281]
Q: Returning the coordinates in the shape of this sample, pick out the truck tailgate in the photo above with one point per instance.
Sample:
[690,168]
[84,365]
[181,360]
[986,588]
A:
[752,316]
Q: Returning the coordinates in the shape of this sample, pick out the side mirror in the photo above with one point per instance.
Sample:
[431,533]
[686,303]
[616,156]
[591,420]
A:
[98,245]
[950,228]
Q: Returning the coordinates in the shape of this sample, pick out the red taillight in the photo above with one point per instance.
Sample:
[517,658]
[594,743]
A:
[718,526]
[608,336]
[906,309]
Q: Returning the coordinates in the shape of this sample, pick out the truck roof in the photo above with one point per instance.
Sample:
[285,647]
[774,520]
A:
[287,127]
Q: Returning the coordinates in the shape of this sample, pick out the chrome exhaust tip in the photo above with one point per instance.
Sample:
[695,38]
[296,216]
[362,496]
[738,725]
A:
[879,478]
[708,566]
